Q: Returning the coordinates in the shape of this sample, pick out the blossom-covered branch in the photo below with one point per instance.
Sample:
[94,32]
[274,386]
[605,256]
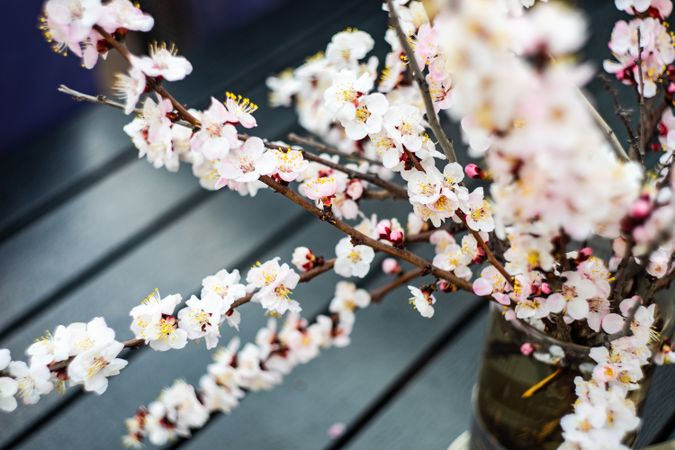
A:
[553,177]
[239,370]
[88,353]
[410,57]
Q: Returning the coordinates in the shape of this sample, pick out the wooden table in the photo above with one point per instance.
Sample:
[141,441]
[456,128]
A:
[86,229]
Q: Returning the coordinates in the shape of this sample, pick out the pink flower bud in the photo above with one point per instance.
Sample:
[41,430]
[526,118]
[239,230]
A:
[446,286]
[662,128]
[527,349]
[473,171]
[585,253]
[383,228]
[396,237]
[545,288]
[390,266]
[303,258]
[640,209]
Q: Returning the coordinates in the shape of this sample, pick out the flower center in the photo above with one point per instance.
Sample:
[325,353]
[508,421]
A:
[354,256]
[97,365]
[166,327]
[283,292]
[362,114]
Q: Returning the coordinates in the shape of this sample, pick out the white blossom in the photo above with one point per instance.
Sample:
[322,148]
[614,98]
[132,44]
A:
[201,318]
[422,301]
[93,367]
[32,381]
[352,260]
[153,321]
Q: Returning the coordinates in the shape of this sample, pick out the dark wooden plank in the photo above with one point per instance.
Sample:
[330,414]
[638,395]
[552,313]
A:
[46,172]
[283,38]
[174,261]
[435,408]
[439,402]
[211,248]
[56,250]
[340,384]
[659,412]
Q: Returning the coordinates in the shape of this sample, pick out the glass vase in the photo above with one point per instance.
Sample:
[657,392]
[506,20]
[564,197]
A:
[521,396]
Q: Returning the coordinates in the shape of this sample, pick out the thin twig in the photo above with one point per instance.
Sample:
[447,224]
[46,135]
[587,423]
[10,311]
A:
[641,87]
[82,97]
[432,118]
[606,129]
[304,278]
[413,159]
[306,140]
[488,252]
[395,189]
[152,82]
[381,194]
[360,238]
[378,294]
[621,112]
[622,274]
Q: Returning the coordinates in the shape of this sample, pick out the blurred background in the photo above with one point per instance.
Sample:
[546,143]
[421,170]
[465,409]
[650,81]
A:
[31,70]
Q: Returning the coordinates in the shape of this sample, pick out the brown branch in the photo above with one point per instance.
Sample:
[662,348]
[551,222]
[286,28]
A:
[360,238]
[434,124]
[305,140]
[396,190]
[378,294]
[623,113]
[381,194]
[621,276]
[135,343]
[488,252]
[413,159]
[152,82]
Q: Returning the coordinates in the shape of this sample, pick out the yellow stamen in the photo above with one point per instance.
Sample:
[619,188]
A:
[244,103]
[99,364]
